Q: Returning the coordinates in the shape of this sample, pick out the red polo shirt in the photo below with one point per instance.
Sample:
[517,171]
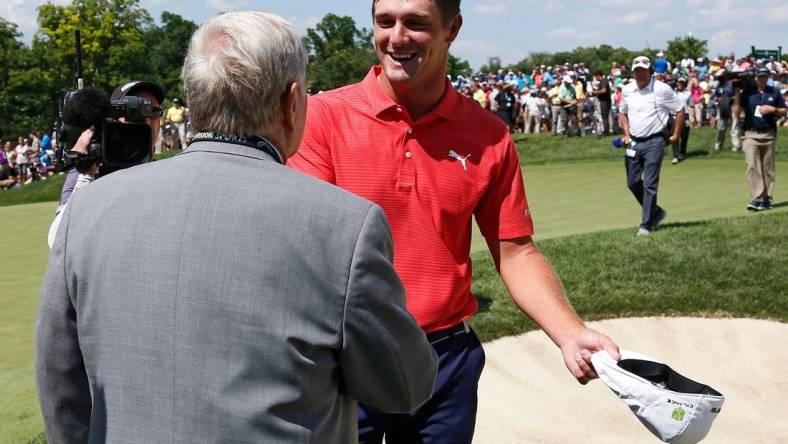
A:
[430,177]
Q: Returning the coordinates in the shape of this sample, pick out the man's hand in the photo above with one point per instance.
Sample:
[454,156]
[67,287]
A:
[83,143]
[673,139]
[767,109]
[625,139]
[578,349]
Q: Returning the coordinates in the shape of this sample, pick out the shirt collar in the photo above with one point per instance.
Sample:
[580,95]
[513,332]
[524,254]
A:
[649,87]
[380,102]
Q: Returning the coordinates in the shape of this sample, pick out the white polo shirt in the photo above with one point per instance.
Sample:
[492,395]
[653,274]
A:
[648,109]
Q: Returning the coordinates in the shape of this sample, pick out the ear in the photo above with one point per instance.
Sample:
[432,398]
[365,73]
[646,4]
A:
[290,105]
[454,28]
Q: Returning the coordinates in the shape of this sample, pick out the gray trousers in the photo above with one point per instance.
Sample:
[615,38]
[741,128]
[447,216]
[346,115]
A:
[559,119]
[759,154]
[643,178]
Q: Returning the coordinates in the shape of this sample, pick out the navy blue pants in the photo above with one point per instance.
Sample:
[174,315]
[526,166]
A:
[643,178]
[450,414]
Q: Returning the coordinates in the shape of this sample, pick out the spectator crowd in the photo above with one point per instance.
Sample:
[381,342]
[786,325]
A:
[570,99]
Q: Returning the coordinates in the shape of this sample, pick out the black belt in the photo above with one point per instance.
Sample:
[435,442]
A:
[647,138]
[442,335]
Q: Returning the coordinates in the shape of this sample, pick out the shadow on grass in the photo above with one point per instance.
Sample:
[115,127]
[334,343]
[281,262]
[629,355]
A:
[697,153]
[781,204]
[485,301]
[694,223]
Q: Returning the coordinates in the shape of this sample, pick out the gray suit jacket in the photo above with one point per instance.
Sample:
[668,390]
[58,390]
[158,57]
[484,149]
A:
[219,296]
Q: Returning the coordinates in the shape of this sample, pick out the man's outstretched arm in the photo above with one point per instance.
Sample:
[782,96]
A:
[536,289]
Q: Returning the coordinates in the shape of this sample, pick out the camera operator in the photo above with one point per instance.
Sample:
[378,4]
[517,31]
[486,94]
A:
[762,104]
[76,179]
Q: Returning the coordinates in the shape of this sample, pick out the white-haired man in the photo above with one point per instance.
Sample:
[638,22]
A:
[257,308]
[645,111]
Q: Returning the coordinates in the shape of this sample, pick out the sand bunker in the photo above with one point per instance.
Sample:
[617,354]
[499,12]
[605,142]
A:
[526,395]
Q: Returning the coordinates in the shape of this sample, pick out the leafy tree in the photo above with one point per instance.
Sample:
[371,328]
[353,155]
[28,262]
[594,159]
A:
[168,44]
[458,67]
[493,65]
[686,45]
[596,58]
[25,85]
[112,34]
[339,53]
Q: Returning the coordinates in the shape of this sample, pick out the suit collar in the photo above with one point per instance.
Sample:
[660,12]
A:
[228,148]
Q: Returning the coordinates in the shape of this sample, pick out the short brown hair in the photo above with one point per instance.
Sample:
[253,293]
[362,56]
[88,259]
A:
[448,8]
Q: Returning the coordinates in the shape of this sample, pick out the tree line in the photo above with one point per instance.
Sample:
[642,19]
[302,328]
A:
[122,42]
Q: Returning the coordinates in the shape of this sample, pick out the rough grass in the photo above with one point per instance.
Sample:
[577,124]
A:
[735,267]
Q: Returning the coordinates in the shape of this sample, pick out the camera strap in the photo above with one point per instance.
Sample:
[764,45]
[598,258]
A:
[256,142]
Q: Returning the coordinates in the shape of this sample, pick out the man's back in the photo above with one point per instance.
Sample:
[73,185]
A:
[223,297]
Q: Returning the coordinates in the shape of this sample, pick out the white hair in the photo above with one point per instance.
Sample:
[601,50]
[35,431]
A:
[237,70]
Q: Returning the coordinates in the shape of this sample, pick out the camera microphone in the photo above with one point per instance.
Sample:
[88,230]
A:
[86,107]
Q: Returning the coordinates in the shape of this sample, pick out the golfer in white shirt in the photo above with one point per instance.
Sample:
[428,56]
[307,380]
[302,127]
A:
[645,109]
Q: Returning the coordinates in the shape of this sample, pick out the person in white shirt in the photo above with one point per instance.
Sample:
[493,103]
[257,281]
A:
[645,109]
[680,146]
[533,122]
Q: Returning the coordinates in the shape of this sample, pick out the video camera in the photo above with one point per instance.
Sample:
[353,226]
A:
[742,80]
[115,144]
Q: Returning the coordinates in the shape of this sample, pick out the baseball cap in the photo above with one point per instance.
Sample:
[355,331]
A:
[763,72]
[674,408]
[660,54]
[138,85]
[641,62]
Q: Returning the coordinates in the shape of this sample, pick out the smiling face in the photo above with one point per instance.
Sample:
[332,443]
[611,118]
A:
[412,41]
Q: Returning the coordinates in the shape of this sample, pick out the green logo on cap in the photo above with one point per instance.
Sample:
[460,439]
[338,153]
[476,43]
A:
[678,414]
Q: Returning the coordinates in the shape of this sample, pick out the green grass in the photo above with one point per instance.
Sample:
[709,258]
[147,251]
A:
[25,251]
[716,268]
[46,190]
[539,149]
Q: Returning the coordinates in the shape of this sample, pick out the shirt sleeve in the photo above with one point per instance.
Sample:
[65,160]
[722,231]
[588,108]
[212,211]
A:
[61,378]
[502,212]
[780,103]
[386,361]
[314,154]
[670,100]
[623,106]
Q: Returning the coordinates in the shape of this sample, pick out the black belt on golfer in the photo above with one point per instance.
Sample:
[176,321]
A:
[659,134]
[437,337]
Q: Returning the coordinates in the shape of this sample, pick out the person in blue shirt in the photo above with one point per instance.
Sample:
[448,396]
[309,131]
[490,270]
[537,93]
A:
[46,141]
[763,105]
[661,66]
[548,76]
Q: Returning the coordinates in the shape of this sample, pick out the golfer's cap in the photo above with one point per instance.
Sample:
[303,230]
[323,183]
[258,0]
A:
[641,62]
[763,72]
[567,79]
[135,86]
[674,408]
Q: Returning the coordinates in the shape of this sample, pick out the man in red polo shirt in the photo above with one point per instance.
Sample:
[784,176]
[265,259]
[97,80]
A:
[432,159]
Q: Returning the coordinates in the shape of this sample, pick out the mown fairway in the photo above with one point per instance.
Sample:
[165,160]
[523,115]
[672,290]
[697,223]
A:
[711,258]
